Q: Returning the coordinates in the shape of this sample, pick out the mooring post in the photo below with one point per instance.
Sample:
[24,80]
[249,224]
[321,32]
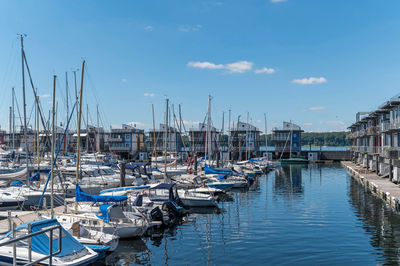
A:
[367,161]
[390,170]
[122,173]
[377,164]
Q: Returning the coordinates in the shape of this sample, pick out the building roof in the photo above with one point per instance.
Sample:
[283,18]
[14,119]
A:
[288,126]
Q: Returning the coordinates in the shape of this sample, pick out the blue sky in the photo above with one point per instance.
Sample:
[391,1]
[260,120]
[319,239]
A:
[310,61]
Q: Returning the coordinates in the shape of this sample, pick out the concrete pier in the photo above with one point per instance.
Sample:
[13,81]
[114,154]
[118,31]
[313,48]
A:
[381,186]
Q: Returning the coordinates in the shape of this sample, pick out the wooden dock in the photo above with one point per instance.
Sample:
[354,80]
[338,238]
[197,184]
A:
[381,186]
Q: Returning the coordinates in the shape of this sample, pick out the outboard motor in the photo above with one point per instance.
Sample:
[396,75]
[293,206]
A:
[156,214]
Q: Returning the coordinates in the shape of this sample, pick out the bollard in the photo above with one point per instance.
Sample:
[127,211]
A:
[122,174]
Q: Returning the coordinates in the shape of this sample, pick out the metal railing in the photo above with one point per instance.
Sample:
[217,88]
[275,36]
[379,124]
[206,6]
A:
[29,236]
[368,149]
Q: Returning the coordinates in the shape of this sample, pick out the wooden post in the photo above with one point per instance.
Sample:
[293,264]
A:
[122,174]
[390,170]
[367,161]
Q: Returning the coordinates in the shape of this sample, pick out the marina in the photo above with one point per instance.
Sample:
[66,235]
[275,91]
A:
[199,133]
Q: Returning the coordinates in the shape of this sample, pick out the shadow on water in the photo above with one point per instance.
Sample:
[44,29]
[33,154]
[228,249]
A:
[379,221]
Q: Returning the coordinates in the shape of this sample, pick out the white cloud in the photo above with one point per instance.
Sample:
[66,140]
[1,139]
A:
[317,108]
[235,67]
[207,65]
[149,28]
[149,94]
[265,70]
[44,96]
[239,67]
[307,124]
[189,28]
[123,80]
[277,1]
[311,80]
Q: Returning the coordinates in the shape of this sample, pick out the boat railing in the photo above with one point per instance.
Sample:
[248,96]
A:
[29,236]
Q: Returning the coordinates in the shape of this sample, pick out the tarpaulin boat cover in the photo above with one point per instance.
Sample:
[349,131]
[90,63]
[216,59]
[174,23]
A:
[82,196]
[209,170]
[104,215]
[35,177]
[40,243]
[138,201]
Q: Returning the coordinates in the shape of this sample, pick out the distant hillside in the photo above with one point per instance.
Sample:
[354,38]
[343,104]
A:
[335,139]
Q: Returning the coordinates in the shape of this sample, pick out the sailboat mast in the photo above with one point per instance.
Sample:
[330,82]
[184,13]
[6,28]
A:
[209,129]
[79,133]
[247,136]
[24,103]
[266,139]
[13,119]
[66,121]
[37,133]
[154,135]
[229,135]
[290,148]
[53,140]
[165,143]
[87,128]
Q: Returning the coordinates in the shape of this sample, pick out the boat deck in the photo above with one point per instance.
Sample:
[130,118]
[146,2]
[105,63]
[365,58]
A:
[20,217]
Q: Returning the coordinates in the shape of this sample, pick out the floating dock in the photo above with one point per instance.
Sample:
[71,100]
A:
[381,186]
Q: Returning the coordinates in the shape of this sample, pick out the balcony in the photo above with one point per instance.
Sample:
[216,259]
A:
[367,149]
[123,149]
[115,140]
[373,131]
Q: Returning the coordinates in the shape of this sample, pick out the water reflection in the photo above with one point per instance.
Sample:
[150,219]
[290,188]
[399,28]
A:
[301,214]
[379,221]
[130,252]
[288,181]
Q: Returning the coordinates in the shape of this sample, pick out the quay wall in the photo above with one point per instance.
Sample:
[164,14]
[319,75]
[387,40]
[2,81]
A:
[330,155]
[381,186]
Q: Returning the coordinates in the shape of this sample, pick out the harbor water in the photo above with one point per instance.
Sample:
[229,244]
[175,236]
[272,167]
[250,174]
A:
[299,215]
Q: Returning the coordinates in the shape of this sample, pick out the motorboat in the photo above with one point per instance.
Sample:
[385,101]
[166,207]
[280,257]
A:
[72,252]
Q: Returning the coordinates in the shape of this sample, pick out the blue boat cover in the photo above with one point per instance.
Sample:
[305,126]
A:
[138,201]
[104,215]
[40,243]
[35,177]
[17,183]
[82,196]
[209,170]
